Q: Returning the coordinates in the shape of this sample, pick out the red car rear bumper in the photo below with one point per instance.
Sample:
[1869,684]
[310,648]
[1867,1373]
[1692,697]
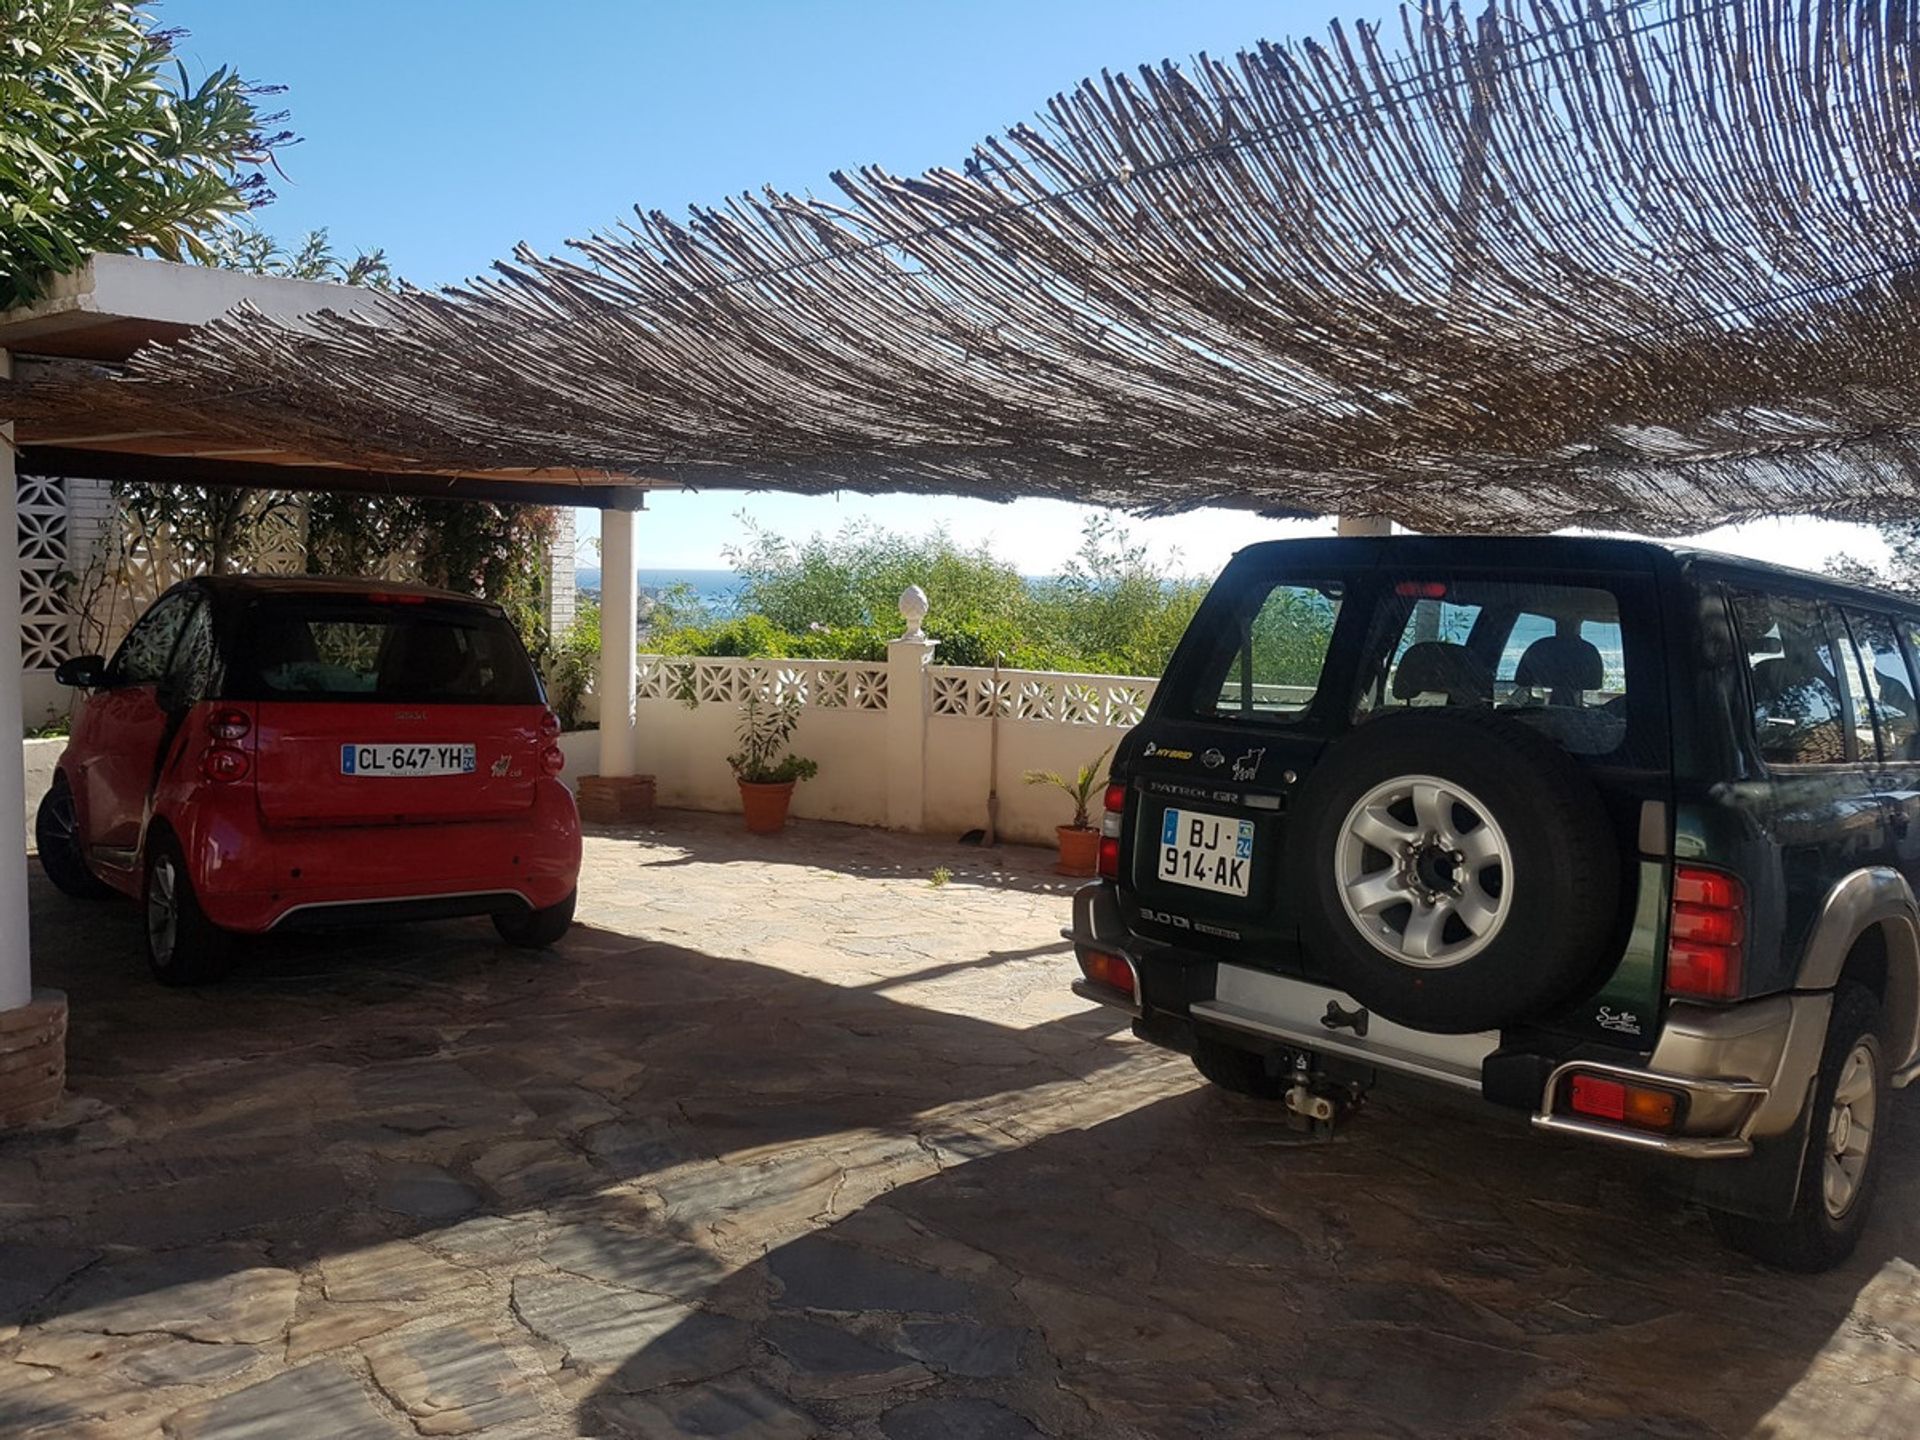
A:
[251,878]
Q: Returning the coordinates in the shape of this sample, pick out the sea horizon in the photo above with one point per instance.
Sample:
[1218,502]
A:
[713,588]
[716,590]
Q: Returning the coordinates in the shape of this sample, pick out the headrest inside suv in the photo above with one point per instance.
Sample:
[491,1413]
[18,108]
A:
[1438,667]
[1563,665]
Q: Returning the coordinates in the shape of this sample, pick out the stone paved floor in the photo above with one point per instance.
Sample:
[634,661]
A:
[786,1141]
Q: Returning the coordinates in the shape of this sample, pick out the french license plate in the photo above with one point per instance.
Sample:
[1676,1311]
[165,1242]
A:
[406,761]
[1208,852]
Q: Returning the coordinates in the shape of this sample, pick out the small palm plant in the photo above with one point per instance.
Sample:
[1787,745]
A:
[1079,789]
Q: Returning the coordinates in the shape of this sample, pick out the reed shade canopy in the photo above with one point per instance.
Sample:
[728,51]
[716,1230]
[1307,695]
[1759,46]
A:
[1646,266]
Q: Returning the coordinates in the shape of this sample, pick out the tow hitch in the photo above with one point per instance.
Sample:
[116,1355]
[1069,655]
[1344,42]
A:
[1317,1101]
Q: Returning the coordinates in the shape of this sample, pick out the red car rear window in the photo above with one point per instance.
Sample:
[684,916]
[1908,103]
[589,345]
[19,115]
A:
[303,647]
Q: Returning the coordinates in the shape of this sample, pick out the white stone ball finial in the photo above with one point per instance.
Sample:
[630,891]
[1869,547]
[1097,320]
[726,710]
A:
[913,609]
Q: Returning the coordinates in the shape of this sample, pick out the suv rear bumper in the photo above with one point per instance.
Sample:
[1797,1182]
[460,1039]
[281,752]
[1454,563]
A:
[1742,1072]
[1745,1071]
[1098,926]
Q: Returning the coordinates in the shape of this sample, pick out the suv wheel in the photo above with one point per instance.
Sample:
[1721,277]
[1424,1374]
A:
[1242,1072]
[1454,870]
[1842,1164]
[56,836]
[183,946]
[537,929]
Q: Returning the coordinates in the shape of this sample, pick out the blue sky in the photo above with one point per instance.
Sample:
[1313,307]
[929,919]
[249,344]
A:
[447,131]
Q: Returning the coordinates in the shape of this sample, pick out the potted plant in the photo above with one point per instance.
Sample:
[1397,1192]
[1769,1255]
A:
[766,770]
[1080,841]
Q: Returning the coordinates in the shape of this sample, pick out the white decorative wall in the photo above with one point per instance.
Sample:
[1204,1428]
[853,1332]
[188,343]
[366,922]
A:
[44,622]
[856,718]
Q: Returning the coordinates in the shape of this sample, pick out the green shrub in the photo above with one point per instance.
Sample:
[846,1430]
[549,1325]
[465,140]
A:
[1110,611]
[571,660]
[108,144]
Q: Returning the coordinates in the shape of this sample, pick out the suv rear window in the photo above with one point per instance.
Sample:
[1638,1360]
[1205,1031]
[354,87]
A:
[1799,710]
[1888,687]
[304,647]
[1274,665]
[1546,654]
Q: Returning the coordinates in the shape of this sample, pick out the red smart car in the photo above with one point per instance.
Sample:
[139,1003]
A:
[266,753]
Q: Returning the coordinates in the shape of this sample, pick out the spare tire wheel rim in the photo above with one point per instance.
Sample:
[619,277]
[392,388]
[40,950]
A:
[1424,871]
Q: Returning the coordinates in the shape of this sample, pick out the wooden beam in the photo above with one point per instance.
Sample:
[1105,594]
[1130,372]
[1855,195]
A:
[176,470]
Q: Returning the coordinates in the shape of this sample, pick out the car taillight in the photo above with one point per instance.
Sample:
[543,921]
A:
[1706,932]
[1630,1104]
[549,726]
[229,726]
[553,760]
[225,764]
[225,761]
[1116,806]
[1105,968]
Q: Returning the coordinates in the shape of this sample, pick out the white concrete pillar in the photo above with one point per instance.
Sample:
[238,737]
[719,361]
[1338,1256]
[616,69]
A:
[619,641]
[1362,525]
[33,1024]
[907,711]
[16,980]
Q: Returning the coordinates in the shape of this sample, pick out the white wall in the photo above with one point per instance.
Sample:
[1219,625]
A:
[957,774]
[686,753]
[40,756]
[1048,722]
[42,699]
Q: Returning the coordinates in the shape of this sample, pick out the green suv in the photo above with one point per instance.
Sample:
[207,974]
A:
[1622,836]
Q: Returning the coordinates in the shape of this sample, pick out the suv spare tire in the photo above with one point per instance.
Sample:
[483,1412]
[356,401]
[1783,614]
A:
[1453,869]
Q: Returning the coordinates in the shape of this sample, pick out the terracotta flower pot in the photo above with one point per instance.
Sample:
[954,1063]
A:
[765,806]
[1079,850]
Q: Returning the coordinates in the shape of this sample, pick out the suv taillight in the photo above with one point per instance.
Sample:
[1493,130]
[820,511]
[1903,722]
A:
[1116,807]
[1604,1098]
[1706,933]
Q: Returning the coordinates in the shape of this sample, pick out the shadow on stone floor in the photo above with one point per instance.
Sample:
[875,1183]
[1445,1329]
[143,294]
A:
[637,1188]
[992,958]
[862,852]
[372,1120]
[1194,1269]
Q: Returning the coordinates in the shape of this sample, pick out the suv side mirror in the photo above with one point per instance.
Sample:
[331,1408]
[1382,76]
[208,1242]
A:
[82,672]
